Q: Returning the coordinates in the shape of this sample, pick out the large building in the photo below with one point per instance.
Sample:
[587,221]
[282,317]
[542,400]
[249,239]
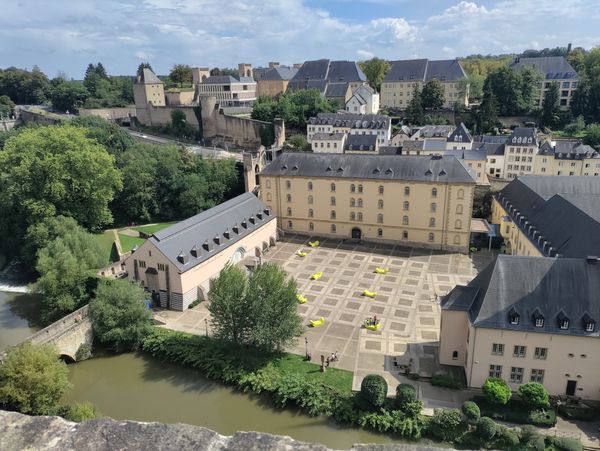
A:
[420,201]
[520,148]
[229,91]
[549,216]
[554,69]
[274,81]
[149,89]
[365,100]
[176,264]
[527,319]
[398,85]
[352,124]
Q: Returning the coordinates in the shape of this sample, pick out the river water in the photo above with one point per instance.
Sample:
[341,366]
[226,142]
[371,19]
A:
[139,387]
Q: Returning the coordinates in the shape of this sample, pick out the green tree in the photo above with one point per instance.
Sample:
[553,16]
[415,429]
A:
[530,78]
[78,412]
[120,318]
[375,70]
[534,395]
[550,108]
[592,135]
[141,67]
[7,106]
[298,142]
[446,424]
[486,116]
[414,110]
[485,428]
[471,411]
[180,74]
[405,393]
[68,95]
[432,96]
[272,297]
[496,391]
[106,133]
[24,87]
[373,390]
[33,379]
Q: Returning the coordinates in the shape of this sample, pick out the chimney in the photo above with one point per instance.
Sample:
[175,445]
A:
[273,64]
[569,47]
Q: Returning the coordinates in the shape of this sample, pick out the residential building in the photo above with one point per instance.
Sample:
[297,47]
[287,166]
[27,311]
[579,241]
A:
[549,216]
[368,144]
[328,142]
[274,81]
[566,157]
[365,100]
[520,148]
[441,132]
[353,124]
[554,69]
[459,139]
[176,264]
[527,319]
[403,134]
[419,201]
[398,85]
[228,90]
[149,89]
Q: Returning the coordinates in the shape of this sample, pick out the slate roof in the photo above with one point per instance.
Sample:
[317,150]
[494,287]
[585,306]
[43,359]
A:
[361,142]
[491,139]
[551,67]
[332,71]
[412,146]
[489,148]
[220,79]
[425,70]
[568,150]
[529,287]
[434,131]
[148,77]
[377,167]
[460,134]
[328,136]
[434,145]
[560,215]
[523,136]
[351,120]
[279,73]
[211,231]
[390,150]
[337,90]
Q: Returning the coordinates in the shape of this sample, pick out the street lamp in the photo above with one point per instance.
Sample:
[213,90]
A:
[206,325]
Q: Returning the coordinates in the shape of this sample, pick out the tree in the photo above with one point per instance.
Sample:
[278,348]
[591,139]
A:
[51,171]
[530,79]
[180,126]
[534,395]
[471,411]
[487,115]
[7,106]
[24,87]
[405,393]
[496,391]
[78,412]
[120,317]
[485,428]
[414,111]
[33,379]
[373,390]
[375,70]
[550,108]
[432,95]
[181,73]
[298,142]
[141,67]
[446,424]
[106,133]
[68,95]
[592,135]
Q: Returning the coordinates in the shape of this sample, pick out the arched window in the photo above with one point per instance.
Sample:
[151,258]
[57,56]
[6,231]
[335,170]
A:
[406,205]
[269,197]
[433,192]
[359,216]
[352,202]
[333,228]
[290,225]
[431,222]
[431,237]
[332,187]
[454,355]
[459,209]
[352,216]
[405,235]
[407,190]
[310,213]
[457,239]
[310,186]
[404,220]
[359,202]
[460,194]
[288,184]
[379,218]
[458,224]
[379,233]
[289,211]
[288,197]
[268,183]
[332,200]
[311,226]
[310,200]
[332,214]
[380,189]
[380,203]
[353,188]
[433,207]
[360,188]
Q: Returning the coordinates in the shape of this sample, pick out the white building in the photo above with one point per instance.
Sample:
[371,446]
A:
[365,100]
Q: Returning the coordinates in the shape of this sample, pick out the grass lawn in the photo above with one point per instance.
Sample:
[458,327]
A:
[129,242]
[295,364]
[106,240]
[152,228]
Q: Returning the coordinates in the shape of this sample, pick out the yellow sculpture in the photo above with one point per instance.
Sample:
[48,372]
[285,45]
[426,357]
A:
[371,326]
[317,322]
[301,254]
[369,294]
[379,270]
[301,299]
[317,275]
[314,243]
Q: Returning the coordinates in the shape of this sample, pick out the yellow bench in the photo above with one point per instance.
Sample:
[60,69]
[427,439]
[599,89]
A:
[301,299]
[314,243]
[369,294]
[317,275]
[379,270]
[372,326]
[301,254]
[317,322]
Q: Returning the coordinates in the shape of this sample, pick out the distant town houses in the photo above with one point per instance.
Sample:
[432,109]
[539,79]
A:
[365,100]
[274,81]
[338,124]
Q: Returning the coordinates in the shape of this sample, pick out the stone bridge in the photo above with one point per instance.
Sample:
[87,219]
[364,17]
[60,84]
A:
[67,334]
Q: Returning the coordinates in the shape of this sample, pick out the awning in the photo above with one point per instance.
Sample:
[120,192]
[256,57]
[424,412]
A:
[479,225]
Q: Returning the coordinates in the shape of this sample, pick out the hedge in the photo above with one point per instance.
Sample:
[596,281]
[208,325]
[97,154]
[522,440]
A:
[444,380]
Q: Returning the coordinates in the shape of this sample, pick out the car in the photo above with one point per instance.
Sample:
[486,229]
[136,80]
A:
[316,243]
[301,253]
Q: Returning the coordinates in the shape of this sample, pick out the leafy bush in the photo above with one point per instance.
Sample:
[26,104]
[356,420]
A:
[531,439]
[534,395]
[412,409]
[446,424]
[485,428]
[471,411]
[447,381]
[373,389]
[505,438]
[78,412]
[405,393]
[565,443]
[579,412]
[516,412]
[84,352]
[496,391]
[392,421]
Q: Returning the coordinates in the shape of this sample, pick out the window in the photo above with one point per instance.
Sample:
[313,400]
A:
[431,222]
[332,200]
[380,189]
[161,266]
[457,240]
[519,351]
[516,375]
[269,197]
[407,190]
[537,376]
[290,225]
[495,371]
[454,355]
[359,203]
[405,235]
[458,224]
[359,216]
[460,194]
[433,192]
[310,186]
[459,209]
[539,321]
[379,218]
[288,184]
[540,353]
[431,237]
[406,205]
[141,263]
[310,213]
[333,228]
[433,207]
[360,188]
[564,324]
[352,188]
[404,220]
[268,183]
[352,202]
[332,187]
[288,197]
[379,233]
[590,326]
[310,200]
[352,216]
[380,204]
[332,214]
[497,349]
[289,211]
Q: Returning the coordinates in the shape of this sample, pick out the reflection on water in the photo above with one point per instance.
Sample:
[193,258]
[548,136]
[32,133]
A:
[139,387]
[19,317]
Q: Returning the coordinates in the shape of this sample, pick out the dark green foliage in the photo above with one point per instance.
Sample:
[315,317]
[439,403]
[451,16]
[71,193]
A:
[298,142]
[393,421]
[531,439]
[104,91]
[180,127]
[141,67]
[267,135]
[78,412]
[514,89]
[516,412]
[180,74]
[496,391]
[375,70]
[68,95]
[592,135]
[471,411]
[580,412]
[485,428]
[565,443]
[505,438]
[414,111]
[84,352]
[432,96]
[550,106]
[446,424]
[109,134]
[486,116]
[6,106]
[373,390]
[534,396]
[120,318]
[24,87]
[447,381]
[405,393]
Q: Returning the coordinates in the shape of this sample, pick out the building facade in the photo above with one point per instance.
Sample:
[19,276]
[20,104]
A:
[352,124]
[420,201]
[149,89]
[527,319]
[228,90]
[274,81]
[176,264]
[365,100]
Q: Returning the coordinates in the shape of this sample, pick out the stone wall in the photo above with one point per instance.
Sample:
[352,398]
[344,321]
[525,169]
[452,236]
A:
[18,432]
[7,125]
[111,114]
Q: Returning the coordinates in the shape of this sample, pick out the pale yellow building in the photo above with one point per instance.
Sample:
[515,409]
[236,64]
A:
[275,80]
[176,264]
[527,319]
[149,89]
[420,201]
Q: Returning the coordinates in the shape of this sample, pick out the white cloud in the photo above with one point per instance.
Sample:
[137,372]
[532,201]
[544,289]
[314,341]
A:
[364,54]
[397,26]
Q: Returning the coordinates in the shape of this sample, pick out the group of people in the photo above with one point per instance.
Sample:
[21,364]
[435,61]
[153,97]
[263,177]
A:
[372,321]
[333,358]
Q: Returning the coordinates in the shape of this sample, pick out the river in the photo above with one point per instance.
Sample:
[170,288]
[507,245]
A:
[139,387]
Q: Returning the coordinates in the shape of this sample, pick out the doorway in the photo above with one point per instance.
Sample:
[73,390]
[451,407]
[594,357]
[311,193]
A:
[356,233]
[571,386]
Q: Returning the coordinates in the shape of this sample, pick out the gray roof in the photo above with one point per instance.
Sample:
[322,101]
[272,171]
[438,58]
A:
[460,134]
[148,77]
[328,136]
[351,120]
[412,146]
[435,145]
[522,136]
[361,142]
[332,71]
[390,150]
[472,155]
[279,73]
[491,139]
[551,67]
[434,131]
[337,90]
[568,150]
[560,215]
[377,167]
[425,70]
[220,79]
[489,148]
[211,231]
[532,287]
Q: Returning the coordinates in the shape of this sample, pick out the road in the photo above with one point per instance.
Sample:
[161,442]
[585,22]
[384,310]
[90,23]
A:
[206,152]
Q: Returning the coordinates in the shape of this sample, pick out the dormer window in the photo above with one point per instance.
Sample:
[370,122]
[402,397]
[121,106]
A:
[589,323]
[564,324]
[513,317]
[563,320]
[538,318]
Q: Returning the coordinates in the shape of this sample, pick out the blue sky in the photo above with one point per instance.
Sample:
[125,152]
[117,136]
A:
[66,35]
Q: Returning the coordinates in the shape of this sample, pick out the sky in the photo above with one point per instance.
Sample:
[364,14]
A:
[66,35]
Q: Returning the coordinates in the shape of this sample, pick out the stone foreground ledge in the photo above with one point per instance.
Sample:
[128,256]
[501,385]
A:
[23,432]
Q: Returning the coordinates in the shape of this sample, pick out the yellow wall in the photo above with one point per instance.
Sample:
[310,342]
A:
[271,88]
[517,243]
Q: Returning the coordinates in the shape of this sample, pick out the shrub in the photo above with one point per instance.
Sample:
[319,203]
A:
[531,439]
[78,412]
[496,391]
[505,438]
[446,424]
[471,411]
[392,421]
[84,352]
[405,393]
[534,395]
[373,390]
[485,428]
[412,409]
[565,443]
[447,381]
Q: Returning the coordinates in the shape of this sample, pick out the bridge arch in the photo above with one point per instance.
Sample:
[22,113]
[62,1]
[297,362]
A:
[67,358]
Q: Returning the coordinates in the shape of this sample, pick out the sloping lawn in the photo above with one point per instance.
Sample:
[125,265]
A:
[107,240]
[152,228]
[295,364]
[129,242]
